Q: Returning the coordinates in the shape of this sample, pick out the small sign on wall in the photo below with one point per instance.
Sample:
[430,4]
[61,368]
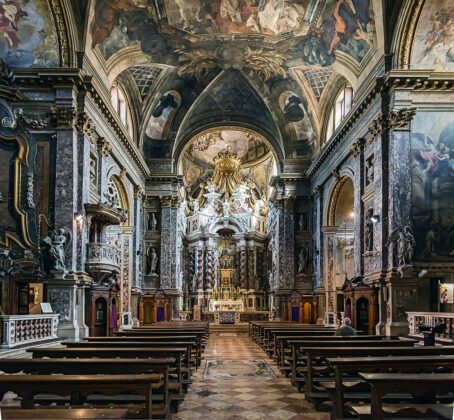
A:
[46,308]
[446,293]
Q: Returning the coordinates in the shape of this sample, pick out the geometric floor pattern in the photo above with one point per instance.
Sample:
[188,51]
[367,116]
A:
[266,396]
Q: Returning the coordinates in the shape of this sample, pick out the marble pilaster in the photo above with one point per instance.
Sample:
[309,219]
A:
[169,213]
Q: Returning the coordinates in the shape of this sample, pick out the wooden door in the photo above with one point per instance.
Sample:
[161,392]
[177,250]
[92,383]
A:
[100,324]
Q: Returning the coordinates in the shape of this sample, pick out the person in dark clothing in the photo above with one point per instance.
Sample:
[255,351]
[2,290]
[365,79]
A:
[346,329]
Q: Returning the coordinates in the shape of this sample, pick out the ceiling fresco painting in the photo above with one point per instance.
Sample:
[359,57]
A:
[120,23]
[434,39]
[199,159]
[268,17]
[307,32]
[27,34]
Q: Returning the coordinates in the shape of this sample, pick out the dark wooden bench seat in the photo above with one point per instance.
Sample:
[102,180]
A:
[63,414]
[80,387]
[422,386]
[345,367]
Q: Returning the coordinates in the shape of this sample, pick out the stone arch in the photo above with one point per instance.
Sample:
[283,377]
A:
[245,109]
[123,197]
[335,197]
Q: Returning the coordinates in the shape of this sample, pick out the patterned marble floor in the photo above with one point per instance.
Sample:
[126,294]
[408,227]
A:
[238,381]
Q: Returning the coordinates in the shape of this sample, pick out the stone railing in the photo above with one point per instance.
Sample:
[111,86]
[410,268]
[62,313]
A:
[415,319]
[102,260]
[27,329]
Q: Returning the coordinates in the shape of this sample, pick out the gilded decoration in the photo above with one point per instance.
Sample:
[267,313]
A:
[408,35]
[227,171]
[266,63]
[104,147]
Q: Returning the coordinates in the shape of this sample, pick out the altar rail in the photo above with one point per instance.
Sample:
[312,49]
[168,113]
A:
[415,319]
[27,329]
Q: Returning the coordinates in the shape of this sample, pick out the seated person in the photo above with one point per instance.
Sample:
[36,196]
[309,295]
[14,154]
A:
[346,329]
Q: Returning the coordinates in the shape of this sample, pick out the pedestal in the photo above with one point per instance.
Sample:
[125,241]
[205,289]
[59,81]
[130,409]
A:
[67,299]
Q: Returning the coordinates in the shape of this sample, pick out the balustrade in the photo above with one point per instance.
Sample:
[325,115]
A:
[27,329]
[431,319]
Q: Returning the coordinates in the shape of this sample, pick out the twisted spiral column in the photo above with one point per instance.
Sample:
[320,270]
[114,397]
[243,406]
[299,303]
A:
[209,268]
[200,269]
[243,268]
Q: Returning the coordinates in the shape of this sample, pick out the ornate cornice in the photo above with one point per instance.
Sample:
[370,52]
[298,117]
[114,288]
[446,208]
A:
[396,119]
[83,82]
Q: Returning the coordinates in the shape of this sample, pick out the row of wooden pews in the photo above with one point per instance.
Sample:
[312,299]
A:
[141,373]
[366,377]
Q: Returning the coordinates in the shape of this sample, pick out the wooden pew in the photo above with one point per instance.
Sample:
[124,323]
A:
[161,401]
[155,338]
[314,353]
[347,365]
[421,384]
[80,387]
[301,346]
[176,387]
[63,414]
[153,344]
[283,348]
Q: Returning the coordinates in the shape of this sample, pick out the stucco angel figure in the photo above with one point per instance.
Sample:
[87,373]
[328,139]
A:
[54,249]
[406,243]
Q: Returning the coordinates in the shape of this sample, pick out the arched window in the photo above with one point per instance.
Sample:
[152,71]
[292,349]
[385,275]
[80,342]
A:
[340,109]
[118,99]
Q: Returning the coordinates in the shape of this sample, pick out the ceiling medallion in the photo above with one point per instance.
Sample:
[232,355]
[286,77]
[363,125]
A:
[267,63]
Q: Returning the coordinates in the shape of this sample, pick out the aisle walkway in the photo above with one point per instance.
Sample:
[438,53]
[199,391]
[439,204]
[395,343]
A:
[238,381]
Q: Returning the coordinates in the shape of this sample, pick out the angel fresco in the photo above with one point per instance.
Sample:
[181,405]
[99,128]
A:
[23,38]
[120,23]
[349,28]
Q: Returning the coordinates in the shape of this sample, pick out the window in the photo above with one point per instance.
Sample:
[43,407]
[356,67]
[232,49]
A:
[340,109]
[120,104]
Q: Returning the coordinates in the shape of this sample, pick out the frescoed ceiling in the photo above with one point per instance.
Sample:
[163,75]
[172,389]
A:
[279,46]
[257,161]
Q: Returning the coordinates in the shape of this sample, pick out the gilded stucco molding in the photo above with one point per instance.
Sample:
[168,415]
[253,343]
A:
[408,35]
[332,203]
[62,31]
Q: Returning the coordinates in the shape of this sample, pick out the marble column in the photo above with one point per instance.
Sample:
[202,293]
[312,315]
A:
[66,179]
[286,240]
[169,211]
[329,269]
[251,267]
[209,269]
[127,237]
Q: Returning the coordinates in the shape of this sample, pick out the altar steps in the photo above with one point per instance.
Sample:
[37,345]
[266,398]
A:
[220,329]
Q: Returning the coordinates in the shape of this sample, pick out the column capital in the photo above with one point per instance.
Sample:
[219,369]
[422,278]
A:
[395,119]
[170,201]
[64,117]
[357,148]
[104,147]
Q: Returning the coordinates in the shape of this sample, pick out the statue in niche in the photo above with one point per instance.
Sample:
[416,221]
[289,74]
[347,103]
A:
[152,261]
[302,223]
[406,243]
[431,240]
[226,260]
[54,249]
[369,231]
[152,221]
[226,209]
[303,258]
[370,171]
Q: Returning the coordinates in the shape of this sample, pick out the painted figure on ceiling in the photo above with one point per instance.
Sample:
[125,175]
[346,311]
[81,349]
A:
[11,13]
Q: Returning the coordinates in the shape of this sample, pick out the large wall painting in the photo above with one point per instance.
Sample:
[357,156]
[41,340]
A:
[27,34]
[432,165]
[433,47]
